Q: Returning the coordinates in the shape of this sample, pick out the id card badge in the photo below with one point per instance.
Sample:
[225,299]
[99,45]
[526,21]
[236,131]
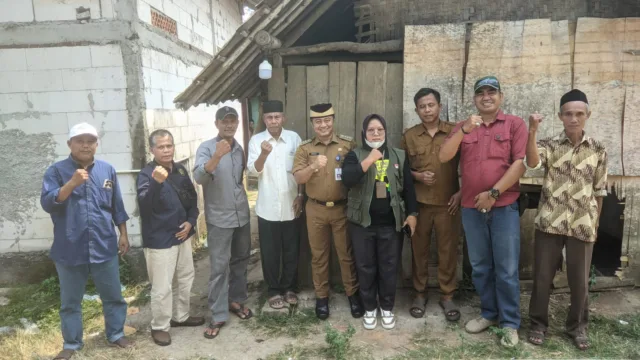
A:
[338,174]
[381,190]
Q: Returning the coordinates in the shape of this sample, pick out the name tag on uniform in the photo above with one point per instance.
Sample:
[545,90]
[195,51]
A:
[338,174]
[108,184]
[381,190]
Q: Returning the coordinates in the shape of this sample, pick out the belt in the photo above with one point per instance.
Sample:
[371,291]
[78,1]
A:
[329,203]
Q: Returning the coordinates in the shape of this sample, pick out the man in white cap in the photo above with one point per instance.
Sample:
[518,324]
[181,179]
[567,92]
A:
[83,197]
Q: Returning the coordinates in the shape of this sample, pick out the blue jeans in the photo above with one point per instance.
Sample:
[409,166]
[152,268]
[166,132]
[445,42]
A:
[73,280]
[493,241]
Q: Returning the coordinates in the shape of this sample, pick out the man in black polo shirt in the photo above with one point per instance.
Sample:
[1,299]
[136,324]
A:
[169,211]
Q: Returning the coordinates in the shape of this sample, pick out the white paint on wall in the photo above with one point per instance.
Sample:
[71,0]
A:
[21,11]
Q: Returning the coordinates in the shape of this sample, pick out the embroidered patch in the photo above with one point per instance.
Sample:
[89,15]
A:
[108,184]
[396,166]
[182,172]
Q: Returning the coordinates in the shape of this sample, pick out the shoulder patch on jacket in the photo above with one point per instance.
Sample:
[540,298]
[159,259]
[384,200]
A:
[308,141]
[345,137]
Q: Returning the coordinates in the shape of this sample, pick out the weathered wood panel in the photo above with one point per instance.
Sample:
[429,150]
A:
[372,90]
[532,60]
[276,85]
[598,71]
[631,77]
[317,88]
[393,106]
[296,107]
[342,94]
[434,57]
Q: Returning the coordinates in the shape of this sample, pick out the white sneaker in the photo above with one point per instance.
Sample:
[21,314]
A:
[370,319]
[388,319]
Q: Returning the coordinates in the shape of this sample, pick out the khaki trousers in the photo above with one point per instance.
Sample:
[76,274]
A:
[322,222]
[171,275]
[447,229]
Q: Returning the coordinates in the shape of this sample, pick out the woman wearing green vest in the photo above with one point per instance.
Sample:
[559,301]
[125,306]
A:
[381,192]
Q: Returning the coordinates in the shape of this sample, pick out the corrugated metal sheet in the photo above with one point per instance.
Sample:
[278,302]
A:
[233,72]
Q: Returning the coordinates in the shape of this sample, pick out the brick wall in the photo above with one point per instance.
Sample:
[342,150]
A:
[47,91]
[390,16]
[54,10]
[198,25]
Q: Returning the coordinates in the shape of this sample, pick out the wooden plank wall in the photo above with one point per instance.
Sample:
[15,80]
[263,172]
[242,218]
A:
[598,71]
[317,88]
[342,94]
[372,91]
[393,104]
[296,111]
[434,57]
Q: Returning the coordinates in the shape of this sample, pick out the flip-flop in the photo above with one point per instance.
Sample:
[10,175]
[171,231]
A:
[213,327]
[291,297]
[276,302]
[65,354]
[451,310]
[240,312]
[536,337]
[418,307]
[581,342]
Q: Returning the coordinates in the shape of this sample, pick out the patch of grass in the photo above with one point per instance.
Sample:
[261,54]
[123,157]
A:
[339,342]
[298,323]
[296,352]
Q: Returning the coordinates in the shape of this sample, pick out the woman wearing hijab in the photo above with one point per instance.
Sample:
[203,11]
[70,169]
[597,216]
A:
[381,193]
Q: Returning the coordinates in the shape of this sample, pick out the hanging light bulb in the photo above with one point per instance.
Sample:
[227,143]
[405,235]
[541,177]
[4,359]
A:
[264,70]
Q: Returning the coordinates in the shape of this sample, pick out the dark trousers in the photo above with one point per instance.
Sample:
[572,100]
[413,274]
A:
[279,247]
[377,254]
[548,256]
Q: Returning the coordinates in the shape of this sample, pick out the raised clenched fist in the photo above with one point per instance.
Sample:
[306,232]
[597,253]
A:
[472,123]
[534,121]
[319,163]
[222,148]
[159,174]
[266,147]
[375,155]
[79,177]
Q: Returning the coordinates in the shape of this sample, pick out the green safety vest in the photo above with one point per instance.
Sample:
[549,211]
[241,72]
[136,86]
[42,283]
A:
[359,199]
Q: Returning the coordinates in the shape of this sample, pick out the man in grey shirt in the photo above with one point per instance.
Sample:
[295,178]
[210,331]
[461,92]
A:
[219,169]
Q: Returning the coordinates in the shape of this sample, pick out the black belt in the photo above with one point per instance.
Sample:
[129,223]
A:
[329,203]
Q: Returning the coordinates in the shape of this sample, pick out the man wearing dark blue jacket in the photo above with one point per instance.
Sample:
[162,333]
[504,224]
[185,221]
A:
[169,211]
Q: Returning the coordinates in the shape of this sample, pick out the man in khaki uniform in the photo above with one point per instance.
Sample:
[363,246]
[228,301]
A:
[318,165]
[437,191]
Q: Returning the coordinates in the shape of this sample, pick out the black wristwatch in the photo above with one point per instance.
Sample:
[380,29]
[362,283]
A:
[495,193]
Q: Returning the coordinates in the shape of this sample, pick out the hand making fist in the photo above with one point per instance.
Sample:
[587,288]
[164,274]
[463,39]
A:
[319,163]
[159,174]
[266,147]
[79,177]
[472,123]
[222,148]
[375,155]
[534,121]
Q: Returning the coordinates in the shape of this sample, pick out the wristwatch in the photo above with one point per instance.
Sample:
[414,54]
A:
[495,193]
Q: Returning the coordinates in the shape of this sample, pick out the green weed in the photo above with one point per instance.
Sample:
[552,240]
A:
[339,342]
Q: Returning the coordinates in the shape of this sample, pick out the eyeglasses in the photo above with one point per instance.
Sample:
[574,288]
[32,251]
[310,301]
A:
[374,131]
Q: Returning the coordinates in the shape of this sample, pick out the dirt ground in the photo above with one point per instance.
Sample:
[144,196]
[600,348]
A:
[240,341]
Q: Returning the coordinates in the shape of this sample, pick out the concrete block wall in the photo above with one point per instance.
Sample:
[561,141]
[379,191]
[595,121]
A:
[204,24]
[53,10]
[43,93]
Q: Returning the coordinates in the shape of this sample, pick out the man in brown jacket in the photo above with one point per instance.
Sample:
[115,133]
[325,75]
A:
[438,193]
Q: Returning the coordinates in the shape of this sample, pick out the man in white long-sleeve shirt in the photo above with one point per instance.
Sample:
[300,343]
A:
[279,204]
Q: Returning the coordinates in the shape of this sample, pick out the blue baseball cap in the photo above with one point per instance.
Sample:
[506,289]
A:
[490,81]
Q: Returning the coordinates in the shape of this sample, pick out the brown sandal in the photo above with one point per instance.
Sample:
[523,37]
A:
[451,310]
[291,298]
[581,341]
[65,354]
[418,307]
[276,302]
[536,337]
[242,311]
[216,326]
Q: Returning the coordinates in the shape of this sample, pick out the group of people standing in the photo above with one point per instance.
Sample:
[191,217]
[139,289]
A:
[365,197]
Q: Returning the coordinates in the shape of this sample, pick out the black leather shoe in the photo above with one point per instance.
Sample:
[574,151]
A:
[357,308]
[322,308]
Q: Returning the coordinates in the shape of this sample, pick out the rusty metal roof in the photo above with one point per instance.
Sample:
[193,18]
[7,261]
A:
[233,72]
